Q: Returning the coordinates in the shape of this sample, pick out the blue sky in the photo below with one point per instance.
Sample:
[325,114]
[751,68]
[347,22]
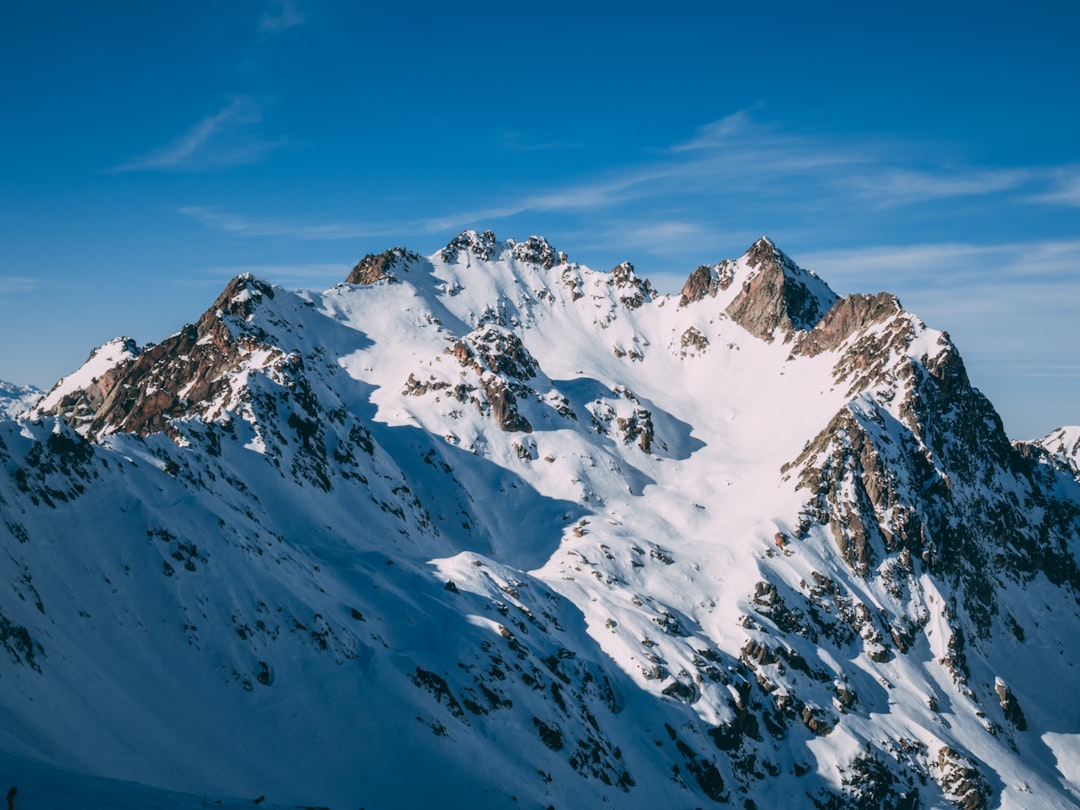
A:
[153,150]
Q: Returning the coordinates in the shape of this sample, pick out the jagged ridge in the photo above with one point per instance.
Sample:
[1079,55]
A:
[757,545]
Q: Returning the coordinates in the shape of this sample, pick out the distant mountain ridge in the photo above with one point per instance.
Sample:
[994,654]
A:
[14,399]
[488,528]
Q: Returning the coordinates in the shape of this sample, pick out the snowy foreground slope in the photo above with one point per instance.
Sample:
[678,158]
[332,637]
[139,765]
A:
[491,529]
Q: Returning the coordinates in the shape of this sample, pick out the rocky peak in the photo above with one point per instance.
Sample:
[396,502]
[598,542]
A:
[139,390]
[378,266]
[240,298]
[633,291]
[763,291]
[777,294]
[483,245]
[846,317]
[537,250]
[78,396]
[493,349]
[763,251]
[707,280]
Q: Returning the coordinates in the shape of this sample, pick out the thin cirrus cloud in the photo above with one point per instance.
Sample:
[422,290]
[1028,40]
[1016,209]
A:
[989,293]
[726,167]
[739,148]
[17,284]
[1064,189]
[281,16]
[222,140]
[906,186]
[271,227]
[1008,306]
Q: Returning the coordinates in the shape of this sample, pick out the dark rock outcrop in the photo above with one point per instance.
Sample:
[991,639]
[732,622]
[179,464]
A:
[633,291]
[779,295]
[482,245]
[378,266]
[187,368]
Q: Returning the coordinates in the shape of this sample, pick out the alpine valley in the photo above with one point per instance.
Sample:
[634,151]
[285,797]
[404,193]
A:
[490,529]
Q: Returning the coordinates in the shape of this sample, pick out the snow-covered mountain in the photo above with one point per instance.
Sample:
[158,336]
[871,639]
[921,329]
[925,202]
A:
[490,529]
[1063,447]
[14,399]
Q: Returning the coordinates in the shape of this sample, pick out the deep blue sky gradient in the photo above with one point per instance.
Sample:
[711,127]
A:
[152,150]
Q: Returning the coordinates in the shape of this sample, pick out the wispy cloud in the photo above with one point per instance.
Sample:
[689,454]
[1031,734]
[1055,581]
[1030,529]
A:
[884,173]
[954,264]
[906,186]
[717,133]
[734,170]
[1064,188]
[281,16]
[222,140]
[254,226]
[994,298]
[17,284]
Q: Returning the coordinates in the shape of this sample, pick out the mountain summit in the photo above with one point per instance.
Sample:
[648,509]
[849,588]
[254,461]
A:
[763,290]
[489,528]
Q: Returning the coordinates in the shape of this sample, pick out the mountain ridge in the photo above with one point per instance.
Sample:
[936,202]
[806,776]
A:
[756,543]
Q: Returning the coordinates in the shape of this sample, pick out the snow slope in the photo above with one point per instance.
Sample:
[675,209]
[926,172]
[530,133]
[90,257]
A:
[14,399]
[489,528]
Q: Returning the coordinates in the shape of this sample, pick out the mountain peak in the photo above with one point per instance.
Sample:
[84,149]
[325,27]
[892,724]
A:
[633,290]
[378,266]
[482,245]
[765,250]
[763,291]
[537,250]
[487,247]
[15,399]
[778,294]
[1063,448]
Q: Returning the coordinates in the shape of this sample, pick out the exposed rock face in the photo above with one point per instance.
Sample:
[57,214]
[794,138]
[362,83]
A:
[879,482]
[778,294]
[504,407]
[763,291]
[1010,705]
[80,405]
[483,246]
[502,366]
[185,369]
[706,281]
[846,317]
[693,341]
[376,267]
[633,291]
[537,250]
[960,778]
[494,349]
